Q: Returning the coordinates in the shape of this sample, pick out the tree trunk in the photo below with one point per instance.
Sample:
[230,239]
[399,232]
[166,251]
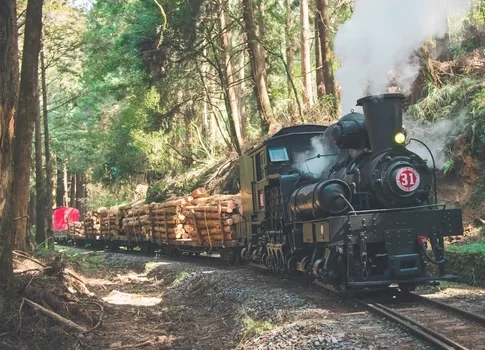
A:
[241,90]
[305,55]
[229,81]
[28,110]
[40,205]
[290,52]
[48,157]
[9,87]
[443,52]
[319,62]
[258,69]
[60,182]
[32,217]
[79,192]
[72,191]
[327,56]
[65,183]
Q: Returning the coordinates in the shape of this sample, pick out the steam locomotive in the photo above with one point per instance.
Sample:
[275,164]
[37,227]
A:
[348,204]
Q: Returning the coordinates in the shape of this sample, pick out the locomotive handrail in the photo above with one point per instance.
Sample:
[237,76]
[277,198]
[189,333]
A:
[434,166]
[370,211]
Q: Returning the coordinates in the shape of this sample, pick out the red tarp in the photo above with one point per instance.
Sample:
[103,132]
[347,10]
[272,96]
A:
[62,216]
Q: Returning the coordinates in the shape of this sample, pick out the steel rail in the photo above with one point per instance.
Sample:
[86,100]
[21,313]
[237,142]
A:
[437,339]
[467,314]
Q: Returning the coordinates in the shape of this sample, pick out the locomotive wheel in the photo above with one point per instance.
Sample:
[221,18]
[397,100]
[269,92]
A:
[291,264]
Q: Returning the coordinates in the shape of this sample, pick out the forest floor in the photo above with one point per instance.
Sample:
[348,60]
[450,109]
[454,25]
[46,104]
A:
[201,303]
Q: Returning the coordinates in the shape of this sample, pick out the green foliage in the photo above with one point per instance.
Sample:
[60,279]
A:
[253,328]
[475,248]
[448,166]
[461,99]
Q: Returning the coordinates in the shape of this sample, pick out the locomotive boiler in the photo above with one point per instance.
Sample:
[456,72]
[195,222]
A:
[348,204]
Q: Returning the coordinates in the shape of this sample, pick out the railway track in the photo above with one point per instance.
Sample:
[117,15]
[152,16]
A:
[441,325]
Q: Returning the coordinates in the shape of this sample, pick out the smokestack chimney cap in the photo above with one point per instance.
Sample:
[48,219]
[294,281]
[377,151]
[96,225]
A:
[383,120]
[376,98]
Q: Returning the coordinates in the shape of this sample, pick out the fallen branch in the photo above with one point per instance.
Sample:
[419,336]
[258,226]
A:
[100,320]
[55,316]
[26,256]
[157,340]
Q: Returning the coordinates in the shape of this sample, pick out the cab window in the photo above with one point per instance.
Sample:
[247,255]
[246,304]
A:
[278,154]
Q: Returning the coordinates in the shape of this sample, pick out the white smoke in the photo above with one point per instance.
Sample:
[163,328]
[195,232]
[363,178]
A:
[377,44]
[306,161]
[435,136]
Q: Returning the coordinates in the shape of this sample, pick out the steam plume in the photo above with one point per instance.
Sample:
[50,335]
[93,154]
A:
[306,161]
[377,44]
[434,136]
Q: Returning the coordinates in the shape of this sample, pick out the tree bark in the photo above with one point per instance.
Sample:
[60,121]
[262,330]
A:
[241,90]
[305,55]
[72,191]
[319,62]
[65,183]
[229,81]
[290,51]
[32,217]
[80,192]
[258,69]
[327,55]
[60,182]
[48,157]
[39,184]
[9,87]
[28,110]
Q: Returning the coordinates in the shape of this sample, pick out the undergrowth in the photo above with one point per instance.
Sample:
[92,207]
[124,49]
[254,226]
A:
[469,248]
[252,328]
[478,195]
[460,99]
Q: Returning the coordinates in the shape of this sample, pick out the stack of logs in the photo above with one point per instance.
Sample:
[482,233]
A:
[136,221]
[76,229]
[109,222]
[212,218]
[91,224]
[197,217]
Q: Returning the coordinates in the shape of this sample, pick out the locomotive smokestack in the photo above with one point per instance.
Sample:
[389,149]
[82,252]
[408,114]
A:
[383,119]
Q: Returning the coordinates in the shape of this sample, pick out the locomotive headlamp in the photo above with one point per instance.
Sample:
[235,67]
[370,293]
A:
[400,138]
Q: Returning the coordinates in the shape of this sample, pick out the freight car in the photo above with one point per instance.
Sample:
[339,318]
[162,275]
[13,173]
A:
[348,204]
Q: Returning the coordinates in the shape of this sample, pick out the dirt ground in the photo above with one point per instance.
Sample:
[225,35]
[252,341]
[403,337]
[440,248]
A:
[201,303]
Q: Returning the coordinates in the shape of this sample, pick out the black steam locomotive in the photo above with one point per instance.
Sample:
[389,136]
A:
[347,204]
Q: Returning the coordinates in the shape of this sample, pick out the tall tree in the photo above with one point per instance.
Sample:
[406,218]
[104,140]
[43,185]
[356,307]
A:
[229,77]
[305,54]
[9,85]
[290,52]
[59,182]
[28,110]
[39,182]
[47,148]
[319,62]
[326,50]
[258,69]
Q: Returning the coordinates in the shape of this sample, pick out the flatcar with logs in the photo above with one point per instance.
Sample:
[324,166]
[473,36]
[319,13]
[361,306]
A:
[347,204]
